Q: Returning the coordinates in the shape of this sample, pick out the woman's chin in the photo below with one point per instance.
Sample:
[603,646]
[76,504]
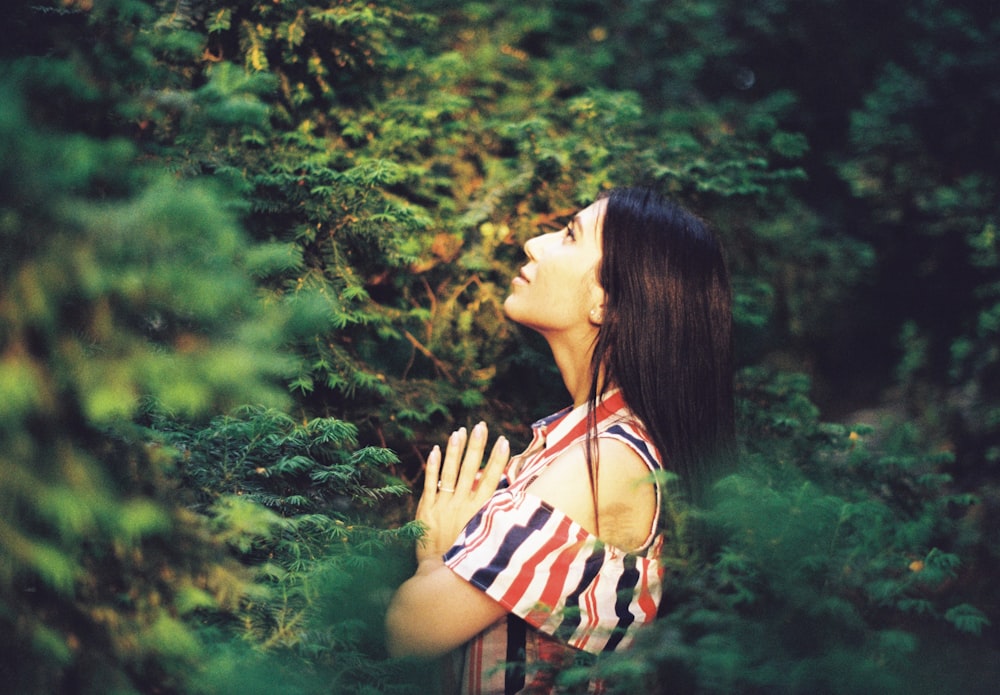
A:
[509,310]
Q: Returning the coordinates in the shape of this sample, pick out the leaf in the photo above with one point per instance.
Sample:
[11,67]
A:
[295,31]
[255,52]
[293,464]
[897,641]
[372,455]
[191,598]
[920,606]
[967,618]
[141,517]
[219,21]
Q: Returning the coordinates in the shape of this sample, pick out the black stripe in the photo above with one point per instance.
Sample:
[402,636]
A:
[473,524]
[625,591]
[571,614]
[514,674]
[512,540]
[470,528]
[638,443]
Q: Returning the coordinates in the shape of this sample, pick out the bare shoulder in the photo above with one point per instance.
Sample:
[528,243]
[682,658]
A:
[626,493]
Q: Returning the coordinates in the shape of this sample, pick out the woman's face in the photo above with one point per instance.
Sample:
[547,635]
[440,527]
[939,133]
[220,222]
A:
[558,287]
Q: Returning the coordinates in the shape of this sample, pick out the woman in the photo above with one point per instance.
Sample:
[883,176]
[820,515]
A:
[533,559]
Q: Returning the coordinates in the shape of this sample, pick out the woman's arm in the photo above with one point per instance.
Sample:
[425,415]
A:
[436,610]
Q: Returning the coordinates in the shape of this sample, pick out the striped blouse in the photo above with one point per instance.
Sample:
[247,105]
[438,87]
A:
[564,589]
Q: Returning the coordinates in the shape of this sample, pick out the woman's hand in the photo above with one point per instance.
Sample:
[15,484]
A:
[435,610]
[455,489]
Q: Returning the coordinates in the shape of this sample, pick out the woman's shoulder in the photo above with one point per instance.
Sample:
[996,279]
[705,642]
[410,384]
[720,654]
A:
[626,496]
[630,431]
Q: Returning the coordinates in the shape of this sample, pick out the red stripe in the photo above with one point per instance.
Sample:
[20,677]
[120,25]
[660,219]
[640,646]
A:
[479,668]
[645,598]
[593,618]
[554,588]
[525,576]
[609,408]
[555,585]
[496,505]
[560,541]
[577,431]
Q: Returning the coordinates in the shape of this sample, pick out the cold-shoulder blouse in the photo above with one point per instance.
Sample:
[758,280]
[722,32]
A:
[564,589]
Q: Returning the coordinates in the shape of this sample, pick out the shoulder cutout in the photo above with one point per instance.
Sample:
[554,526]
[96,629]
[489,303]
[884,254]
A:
[625,490]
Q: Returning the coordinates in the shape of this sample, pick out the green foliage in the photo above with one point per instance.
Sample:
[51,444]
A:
[257,454]
[820,567]
[296,502]
[937,185]
[386,160]
[145,295]
[106,301]
[402,162]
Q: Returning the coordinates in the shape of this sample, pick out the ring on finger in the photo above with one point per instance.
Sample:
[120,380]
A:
[442,488]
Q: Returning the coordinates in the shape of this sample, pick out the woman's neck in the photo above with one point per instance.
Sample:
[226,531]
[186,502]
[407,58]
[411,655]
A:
[574,363]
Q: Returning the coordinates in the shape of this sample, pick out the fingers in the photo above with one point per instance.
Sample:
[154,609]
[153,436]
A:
[432,470]
[452,460]
[460,467]
[494,468]
[473,458]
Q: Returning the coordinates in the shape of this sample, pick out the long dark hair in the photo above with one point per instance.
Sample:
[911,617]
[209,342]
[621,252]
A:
[666,335]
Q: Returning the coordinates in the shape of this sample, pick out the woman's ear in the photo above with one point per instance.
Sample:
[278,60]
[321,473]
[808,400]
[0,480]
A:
[597,315]
[598,300]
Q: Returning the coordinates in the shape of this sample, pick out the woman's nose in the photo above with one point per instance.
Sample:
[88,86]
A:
[530,247]
[536,244]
